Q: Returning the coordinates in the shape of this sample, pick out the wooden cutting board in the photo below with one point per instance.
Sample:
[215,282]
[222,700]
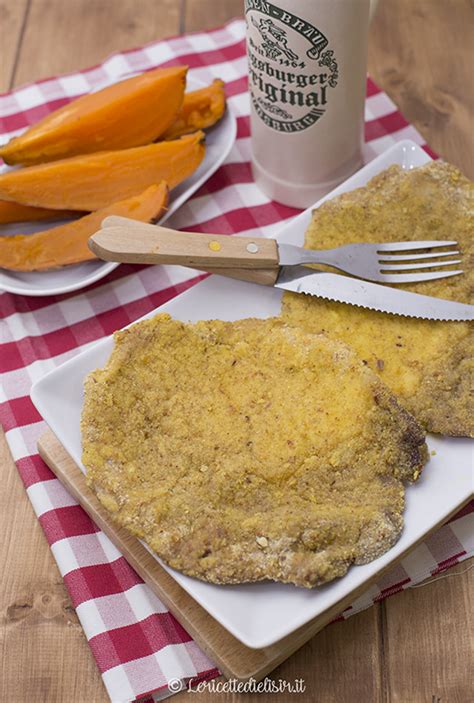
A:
[233,658]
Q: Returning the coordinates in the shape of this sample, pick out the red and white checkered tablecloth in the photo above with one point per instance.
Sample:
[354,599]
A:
[138,645]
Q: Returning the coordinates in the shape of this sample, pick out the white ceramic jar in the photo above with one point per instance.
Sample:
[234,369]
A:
[307,81]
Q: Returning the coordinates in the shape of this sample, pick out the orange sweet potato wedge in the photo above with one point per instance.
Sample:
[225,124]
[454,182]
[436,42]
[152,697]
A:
[94,181]
[127,114]
[15,212]
[200,109]
[67,244]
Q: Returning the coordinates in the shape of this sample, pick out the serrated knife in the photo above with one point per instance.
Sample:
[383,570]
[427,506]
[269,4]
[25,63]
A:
[345,289]
[129,241]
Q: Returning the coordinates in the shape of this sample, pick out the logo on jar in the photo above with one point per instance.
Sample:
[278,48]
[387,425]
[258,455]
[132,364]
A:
[291,68]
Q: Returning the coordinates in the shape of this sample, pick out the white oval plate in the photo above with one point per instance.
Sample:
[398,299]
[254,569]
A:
[219,142]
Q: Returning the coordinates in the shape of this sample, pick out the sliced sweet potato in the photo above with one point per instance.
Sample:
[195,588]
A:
[130,113]
[15,212]
[200,109]
[67,244]
[94,181]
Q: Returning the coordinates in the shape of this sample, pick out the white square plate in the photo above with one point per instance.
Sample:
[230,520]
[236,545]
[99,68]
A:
[219,141]
[261,614]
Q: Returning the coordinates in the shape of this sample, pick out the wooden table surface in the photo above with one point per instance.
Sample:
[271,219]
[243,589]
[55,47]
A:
[413,647]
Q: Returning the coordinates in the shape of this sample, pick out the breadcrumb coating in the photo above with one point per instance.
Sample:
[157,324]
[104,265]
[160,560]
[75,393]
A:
[248,450]
[429,365]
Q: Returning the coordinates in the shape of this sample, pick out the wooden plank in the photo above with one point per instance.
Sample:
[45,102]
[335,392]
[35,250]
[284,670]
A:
[419,53]
[429,640]
[67,36]
[338,665]
[43,650]
[205,14]
[12,20]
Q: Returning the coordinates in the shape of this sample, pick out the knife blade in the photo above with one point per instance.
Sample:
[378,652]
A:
[354,291]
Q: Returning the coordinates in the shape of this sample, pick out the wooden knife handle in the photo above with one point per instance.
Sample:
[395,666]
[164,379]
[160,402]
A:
[124,240]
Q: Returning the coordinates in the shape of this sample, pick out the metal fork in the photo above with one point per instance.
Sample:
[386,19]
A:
[383,263]
[121,239]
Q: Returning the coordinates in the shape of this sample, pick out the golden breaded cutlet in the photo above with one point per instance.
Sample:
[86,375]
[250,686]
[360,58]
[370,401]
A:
[248,450]
[428,364]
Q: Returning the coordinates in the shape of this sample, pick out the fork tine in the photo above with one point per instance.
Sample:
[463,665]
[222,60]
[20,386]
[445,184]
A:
[416,257]
[392,268]
[408,246]
[416,277]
